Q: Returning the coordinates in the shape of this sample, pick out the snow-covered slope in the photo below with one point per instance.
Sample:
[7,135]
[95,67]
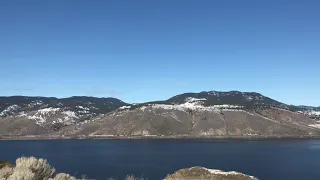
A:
[231,97]
[67,111]
[191,103]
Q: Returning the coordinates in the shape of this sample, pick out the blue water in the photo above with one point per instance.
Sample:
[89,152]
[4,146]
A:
[154,159]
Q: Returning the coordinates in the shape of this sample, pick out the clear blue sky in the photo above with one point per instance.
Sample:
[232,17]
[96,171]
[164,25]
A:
[145,50]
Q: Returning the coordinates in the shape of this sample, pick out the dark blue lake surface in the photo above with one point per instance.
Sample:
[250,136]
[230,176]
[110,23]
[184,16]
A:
[154,159]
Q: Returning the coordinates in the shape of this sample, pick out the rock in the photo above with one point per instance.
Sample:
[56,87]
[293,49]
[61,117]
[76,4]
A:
[207,174]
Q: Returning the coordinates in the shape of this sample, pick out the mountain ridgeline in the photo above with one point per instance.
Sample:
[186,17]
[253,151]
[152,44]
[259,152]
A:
[246,99]
[78,105]
[211,114]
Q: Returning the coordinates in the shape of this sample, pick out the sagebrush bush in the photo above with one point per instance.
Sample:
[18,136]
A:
[31,168]
[131,177]
[5,172]
[22,174]
[40,167]
[63,176]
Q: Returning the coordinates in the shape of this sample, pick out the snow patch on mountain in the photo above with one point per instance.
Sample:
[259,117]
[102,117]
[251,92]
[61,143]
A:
[191,99]
[315,125]
[70,114]
[248,98]
[42,115]
[125,107]
[213,93]
[39,119]
[35,104]
[251,97]
[83,108]
[48,110]
[197,106]
[310,113]
[316,113]
[219,172]
[9,110]
[227,106]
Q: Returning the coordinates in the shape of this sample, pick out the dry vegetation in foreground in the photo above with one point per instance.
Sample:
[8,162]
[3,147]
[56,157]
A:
[129,177]
[31,168]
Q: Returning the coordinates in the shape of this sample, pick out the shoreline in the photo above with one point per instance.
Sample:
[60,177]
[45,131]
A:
[243,138]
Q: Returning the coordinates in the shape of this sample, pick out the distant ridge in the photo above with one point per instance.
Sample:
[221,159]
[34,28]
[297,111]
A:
[207,113]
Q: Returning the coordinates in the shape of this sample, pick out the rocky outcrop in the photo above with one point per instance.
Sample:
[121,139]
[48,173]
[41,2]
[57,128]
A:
[207,174]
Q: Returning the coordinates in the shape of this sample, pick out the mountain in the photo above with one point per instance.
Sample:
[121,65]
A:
[209,113]
[20,112]
[246,99]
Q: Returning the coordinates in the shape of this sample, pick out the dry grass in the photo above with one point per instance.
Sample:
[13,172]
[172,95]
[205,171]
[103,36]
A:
[131,177]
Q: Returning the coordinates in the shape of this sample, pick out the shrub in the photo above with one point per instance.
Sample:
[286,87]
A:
[30,168]
[40,167]
[131,177]
[5,172]
[63,176]
[22,174]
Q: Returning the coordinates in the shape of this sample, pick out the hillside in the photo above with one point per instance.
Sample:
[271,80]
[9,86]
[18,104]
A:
[210,114]
[21,115]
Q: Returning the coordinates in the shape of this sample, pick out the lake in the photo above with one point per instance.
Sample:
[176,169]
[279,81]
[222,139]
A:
[154,159]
